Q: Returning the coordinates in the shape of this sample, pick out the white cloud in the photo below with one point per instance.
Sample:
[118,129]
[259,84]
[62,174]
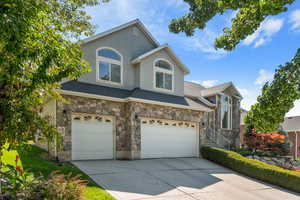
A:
[249,97]
[294,19]
[263,77]
[178,4]
[195,81]
[264,33]
[156,19]
[209,83]
[203,41]
[206,83]
[295,111]
[243,91]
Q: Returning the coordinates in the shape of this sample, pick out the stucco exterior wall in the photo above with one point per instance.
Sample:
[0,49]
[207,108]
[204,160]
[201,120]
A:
[49,111]
[129,42]
[147,74]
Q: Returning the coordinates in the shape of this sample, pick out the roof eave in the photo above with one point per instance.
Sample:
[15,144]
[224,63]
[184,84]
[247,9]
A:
[67,92]
[140,58]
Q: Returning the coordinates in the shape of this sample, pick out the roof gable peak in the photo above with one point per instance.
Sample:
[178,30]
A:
[135,22]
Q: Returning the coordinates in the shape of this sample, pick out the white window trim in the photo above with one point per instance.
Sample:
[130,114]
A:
[110,61]
[157,69]
[230,107]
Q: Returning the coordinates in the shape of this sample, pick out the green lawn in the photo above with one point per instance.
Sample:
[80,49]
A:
[34,160]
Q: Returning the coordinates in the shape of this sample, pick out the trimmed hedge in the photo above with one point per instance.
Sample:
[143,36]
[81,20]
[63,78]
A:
[253,168]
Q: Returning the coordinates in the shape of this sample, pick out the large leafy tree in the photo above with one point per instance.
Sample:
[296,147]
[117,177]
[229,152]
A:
[37,51]
[277,97]
[250,14]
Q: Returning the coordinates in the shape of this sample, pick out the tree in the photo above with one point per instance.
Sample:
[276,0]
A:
[250,14]
[277,97]
[37,52]
[270,143]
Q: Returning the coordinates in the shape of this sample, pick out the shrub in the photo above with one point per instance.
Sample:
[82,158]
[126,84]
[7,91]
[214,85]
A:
[64,187]
[20,185]
[268,143]
[244,151]
[253,168]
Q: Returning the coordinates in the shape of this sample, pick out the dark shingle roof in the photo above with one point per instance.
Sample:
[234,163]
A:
[155,96]
[195,89]
[192,89]
[77,86]
[137,93]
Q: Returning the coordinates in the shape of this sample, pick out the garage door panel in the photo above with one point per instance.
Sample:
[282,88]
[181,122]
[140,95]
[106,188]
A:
[92,139]
[159,141]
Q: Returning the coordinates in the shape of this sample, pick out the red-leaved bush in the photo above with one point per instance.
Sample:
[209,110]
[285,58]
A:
[270,143]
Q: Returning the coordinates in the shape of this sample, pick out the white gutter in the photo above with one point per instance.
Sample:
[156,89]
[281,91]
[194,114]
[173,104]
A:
[296,145]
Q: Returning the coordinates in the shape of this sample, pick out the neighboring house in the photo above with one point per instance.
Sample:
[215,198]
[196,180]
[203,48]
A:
[291,125]
[134,103]
[242,125]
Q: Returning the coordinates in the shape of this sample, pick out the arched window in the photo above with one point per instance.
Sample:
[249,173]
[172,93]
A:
[109,65]
[163,75]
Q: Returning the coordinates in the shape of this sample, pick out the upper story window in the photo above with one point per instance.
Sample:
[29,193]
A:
[109,66]
[163,75]
[226,112]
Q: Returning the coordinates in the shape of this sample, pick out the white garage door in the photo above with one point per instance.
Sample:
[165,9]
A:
[92,137]
[166,139]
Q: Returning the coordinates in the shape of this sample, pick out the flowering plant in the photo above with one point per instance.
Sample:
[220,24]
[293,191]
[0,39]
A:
[21,185]
[14,179]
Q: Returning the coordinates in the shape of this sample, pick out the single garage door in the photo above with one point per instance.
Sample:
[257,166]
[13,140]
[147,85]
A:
[166,139]
[92,137]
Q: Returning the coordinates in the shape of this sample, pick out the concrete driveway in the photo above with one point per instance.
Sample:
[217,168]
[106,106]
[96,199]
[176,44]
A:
[178,179]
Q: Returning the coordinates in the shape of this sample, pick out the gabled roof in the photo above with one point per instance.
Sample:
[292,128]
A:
[197,90]
[137,94]
[219,89]
[192,89]
[170,52]
[136,22]
[291,124]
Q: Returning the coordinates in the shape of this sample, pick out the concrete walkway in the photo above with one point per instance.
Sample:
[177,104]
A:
[178,179]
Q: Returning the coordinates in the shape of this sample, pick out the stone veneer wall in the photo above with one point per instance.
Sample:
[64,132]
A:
[142,110]
[127,121]
[228,138]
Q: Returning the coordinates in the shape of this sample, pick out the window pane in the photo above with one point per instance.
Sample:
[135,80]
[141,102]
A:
[104,71]
[107,53]
[229,117]
[116,73]
[225,119]
[163,64]
[168,81]
[159,79]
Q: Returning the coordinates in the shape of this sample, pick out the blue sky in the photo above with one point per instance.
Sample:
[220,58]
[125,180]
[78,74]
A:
[249,66]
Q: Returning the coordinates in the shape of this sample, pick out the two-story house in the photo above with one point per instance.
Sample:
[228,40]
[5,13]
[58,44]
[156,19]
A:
[135,104]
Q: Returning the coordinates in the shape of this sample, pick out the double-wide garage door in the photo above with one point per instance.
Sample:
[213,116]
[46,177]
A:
[92,137]
[166,139]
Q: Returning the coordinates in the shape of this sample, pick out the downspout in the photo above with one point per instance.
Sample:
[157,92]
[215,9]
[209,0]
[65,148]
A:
[296,145]
[56,136]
